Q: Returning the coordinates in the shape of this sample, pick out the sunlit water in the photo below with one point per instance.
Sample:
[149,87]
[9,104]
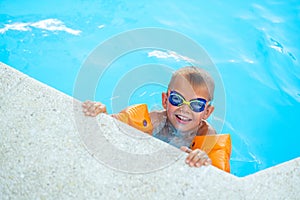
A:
[255,47]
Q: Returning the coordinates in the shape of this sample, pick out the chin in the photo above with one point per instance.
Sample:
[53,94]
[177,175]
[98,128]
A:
[182,128]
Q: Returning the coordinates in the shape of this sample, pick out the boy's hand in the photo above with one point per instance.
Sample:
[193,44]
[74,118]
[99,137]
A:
[196,158]
[92,109]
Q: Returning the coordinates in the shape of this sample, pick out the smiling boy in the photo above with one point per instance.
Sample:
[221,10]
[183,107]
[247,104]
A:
[187,105]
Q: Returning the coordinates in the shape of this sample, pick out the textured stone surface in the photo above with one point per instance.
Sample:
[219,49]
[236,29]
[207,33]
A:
[49,150]
[9,80]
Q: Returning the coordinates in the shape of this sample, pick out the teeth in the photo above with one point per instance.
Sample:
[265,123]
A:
[183,118]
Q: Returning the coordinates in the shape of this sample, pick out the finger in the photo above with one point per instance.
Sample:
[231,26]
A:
[103,108]
[91,106]
[208,162]
[87,107]
[98,104]
[185,149]
[204,160]
[88,113]
[86,103]
[99,108]
[85,111]
[93,114]
[191,158]
[197,159]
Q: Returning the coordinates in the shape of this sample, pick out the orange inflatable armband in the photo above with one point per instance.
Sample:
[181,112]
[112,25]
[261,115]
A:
[217,147]
[136,116]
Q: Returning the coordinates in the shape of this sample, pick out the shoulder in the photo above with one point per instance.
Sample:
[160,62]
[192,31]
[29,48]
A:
[157,116]
[206,129]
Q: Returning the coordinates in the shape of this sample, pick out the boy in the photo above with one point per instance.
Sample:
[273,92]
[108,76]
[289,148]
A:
[186,107]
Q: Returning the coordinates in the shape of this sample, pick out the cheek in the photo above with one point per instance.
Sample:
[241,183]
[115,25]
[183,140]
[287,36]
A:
[170,108]
[198,116]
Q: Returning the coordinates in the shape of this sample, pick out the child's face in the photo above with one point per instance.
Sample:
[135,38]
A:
[182,117]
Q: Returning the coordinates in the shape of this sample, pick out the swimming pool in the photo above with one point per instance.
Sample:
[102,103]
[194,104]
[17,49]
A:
[254,46]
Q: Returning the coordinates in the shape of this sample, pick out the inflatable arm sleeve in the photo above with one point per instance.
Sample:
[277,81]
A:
[136,116]
[217,147]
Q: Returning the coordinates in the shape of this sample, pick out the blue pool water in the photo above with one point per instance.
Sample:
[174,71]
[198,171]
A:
[254,46]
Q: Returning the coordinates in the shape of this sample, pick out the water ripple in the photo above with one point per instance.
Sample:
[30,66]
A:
[47,24]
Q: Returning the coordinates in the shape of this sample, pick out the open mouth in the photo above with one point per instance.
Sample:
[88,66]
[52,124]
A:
[182,118]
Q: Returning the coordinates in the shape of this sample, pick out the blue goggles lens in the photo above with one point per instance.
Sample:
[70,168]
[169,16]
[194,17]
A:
[196,105]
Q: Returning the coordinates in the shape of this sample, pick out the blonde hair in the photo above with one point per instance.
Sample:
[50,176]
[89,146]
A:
[197,77]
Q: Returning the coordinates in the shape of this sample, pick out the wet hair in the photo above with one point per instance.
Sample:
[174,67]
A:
[197,77]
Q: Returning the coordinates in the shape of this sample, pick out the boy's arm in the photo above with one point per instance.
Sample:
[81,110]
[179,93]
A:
[136,116]
[206,129]
[157,117]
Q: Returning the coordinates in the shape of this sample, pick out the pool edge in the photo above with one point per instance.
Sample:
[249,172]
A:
[28,101]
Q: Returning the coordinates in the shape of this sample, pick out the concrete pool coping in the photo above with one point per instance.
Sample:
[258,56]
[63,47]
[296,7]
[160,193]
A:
[43,155]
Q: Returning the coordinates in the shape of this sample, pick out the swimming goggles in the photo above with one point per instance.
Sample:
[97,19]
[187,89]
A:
[196,105]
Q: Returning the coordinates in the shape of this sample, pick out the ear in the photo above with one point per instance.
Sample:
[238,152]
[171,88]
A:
[164,99]
[208,111]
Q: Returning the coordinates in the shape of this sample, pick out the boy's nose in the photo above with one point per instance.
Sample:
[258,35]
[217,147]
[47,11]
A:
[185,107]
